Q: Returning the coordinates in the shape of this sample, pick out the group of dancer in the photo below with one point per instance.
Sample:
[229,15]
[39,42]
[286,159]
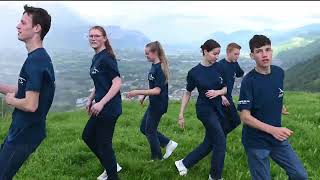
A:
[260,104]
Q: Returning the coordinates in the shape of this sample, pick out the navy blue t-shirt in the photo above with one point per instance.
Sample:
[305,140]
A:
[231,70]
[206,78]
[37,74]
[262,95]
[156,77]
[103,70]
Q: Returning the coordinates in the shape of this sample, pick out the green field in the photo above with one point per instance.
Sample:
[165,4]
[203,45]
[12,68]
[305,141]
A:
[63,154]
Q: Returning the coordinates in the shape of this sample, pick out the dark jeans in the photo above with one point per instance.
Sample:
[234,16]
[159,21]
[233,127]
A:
[214,141]
[232,119]
[98,135]
[149,127]
[12,157]
[283,155]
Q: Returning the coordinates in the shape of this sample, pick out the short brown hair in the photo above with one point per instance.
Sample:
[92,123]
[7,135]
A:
[39,16]
[232,46]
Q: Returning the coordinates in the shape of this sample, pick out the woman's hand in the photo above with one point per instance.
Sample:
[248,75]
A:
[141,99]
[212,93]
[96,108]
[131,94]
[181,121]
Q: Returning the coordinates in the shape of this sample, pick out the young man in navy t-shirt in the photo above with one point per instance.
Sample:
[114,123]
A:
[260,104]
[32,98]
[231,70]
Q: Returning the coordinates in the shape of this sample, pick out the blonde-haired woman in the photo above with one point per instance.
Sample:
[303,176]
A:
[158,96]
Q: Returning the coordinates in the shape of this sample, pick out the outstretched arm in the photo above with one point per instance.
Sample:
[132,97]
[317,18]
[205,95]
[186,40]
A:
[145,92]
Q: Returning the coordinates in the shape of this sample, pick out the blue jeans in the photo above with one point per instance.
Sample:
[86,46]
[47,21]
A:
[12,156]
[98,135]
[214,141]
[283,155]
[148,127]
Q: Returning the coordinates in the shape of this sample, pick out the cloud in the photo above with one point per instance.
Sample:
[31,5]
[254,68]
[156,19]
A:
[183,21]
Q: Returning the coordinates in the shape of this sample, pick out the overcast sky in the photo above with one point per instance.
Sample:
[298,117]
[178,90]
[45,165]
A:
[180,22]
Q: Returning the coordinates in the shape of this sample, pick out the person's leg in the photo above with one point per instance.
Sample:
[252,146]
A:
[218,148]
[235,116]
[152,122]
[285,157]
[162,139]
[198,153]
[259,164]
[12,158]
[143,122]
[89,135]
[104,134]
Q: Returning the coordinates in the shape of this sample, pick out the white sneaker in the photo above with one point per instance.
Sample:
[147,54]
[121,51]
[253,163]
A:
[119,168]
[210,178]
[171,146]
[181,168]
[104,175]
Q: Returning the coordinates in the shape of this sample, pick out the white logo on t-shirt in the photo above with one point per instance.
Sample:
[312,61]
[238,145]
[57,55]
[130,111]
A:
[94,71]
[221,80]
[21,80]
[151,78]
[280,93]
[244,102]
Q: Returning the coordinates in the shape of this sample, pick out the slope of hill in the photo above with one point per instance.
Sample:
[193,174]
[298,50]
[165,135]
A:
[299,54]
[278,38]
[304,76]
[63,154]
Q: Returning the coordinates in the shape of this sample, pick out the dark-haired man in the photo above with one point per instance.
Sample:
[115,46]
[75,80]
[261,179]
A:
[32,98]
[260,105]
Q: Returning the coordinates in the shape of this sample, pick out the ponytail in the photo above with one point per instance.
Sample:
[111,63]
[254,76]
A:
[156,47]
[109,48]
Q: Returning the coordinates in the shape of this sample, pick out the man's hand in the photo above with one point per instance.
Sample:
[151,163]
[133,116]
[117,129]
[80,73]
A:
[281,133]
[225,101]
[284,111]
[9,98]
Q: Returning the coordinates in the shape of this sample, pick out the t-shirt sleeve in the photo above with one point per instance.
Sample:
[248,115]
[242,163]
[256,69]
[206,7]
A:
[239,71]
[246,96]
[35,76]
[190,82]
[160,79]
[111,67]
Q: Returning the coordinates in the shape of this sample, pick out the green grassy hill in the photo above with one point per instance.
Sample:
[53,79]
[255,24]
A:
[304,76]
[64,156]
[299,54]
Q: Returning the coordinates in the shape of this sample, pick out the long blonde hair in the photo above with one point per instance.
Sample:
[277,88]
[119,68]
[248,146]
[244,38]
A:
[156,47]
